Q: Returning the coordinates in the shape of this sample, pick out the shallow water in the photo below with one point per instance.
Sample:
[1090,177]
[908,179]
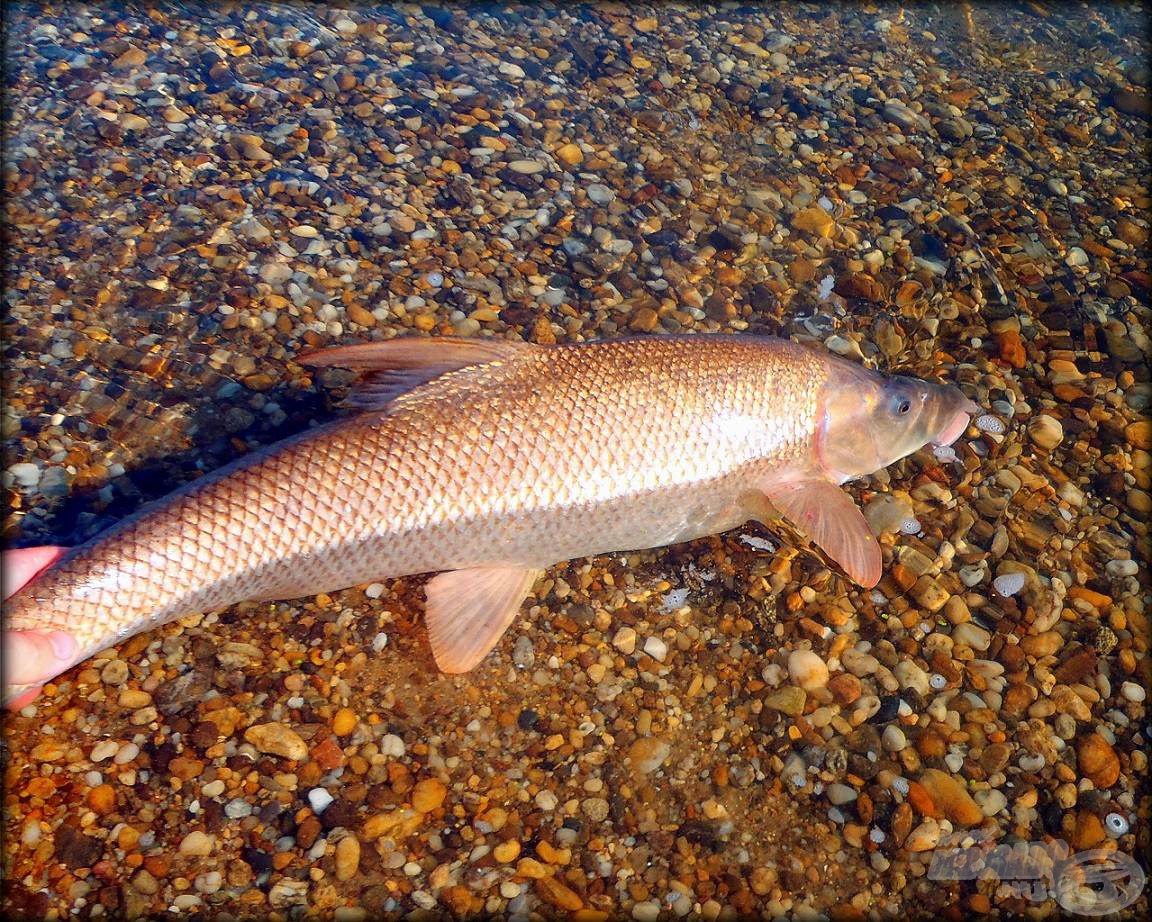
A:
[196,194]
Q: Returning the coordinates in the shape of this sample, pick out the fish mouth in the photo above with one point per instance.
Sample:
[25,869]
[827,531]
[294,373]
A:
[957,424]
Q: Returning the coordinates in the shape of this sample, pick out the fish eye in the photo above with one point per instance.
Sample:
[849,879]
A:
[903,407]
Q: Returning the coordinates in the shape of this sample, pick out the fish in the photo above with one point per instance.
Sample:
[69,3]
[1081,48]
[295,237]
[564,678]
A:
[487,461]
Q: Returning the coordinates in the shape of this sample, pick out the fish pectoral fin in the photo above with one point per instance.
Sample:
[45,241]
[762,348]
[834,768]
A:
[396,366]
[833,521]
[469,611]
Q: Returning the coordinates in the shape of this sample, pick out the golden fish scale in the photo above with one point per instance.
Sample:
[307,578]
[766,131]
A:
[552,454]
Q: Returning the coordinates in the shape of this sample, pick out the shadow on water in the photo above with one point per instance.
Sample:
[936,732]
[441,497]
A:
[158,470]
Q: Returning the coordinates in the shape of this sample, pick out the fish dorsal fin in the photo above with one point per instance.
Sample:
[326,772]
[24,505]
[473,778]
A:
[469,611]
[828,516]
[396,366]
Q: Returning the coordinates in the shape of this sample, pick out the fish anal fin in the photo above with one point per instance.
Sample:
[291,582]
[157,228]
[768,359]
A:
[396,366]
[828,516]
[469,611]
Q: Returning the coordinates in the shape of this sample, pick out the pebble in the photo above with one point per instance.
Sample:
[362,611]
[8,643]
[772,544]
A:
[656,648]
[347,857]
[788,700]
[894,739]
[344,722]
[807,670]
[570,154]
[527,167]
[320,800]
[197,844]
[646,911]
[1098,761]
[1008,584]
[648,754]
[25,473]
[1045,432]
[102,799]
[925,837]
[428,795]
[951,798]
[277,739]
[814,220]
[624,640]
[1076,257]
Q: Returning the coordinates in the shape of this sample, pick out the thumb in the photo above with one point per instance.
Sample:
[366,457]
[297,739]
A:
[36,656]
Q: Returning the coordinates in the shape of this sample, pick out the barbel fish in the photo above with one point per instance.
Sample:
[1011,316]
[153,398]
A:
[487,461]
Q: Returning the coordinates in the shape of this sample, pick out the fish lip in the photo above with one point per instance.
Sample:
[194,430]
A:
[957,425]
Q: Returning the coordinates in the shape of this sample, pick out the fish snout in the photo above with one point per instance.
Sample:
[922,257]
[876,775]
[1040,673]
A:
[956,413]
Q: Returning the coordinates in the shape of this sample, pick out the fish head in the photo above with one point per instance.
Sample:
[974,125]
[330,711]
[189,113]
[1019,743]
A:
[870,420]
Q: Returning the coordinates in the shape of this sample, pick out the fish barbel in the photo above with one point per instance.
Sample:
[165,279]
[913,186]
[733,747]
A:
[487,461]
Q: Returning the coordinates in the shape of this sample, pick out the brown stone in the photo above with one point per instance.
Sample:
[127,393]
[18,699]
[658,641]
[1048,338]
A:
[861,286]
[1098,761]
[845,687]
[557,894]
[921,800]
[102,799]
[814,220]
[951,798]
[1087,831]
[1078,666]
[1011,348]
[428,794]
[644,320]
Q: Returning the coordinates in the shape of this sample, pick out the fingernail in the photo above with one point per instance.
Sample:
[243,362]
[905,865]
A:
[63,644]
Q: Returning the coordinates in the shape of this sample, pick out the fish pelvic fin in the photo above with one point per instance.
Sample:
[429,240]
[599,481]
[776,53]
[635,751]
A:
[828,516]
[394,367]
[469,611]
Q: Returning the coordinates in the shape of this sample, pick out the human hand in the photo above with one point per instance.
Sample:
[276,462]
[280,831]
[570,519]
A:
[32,657]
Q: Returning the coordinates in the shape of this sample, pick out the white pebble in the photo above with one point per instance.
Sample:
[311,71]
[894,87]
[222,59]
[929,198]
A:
[893,739]
[1009,583]
[105,749]
[547,801]
[945,453]
[209,882]
[26,473]
[1122,568]
[807,669]
[126,753]
[197,843]
[1031,763]
[992,802]
[938,682]
[989,423]
[648,911]
[392,745]
[319,799]
[1133,692]
[656,648]
[31,833]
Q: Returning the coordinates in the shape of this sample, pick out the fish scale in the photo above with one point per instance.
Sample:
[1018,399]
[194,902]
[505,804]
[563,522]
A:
[521,460]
